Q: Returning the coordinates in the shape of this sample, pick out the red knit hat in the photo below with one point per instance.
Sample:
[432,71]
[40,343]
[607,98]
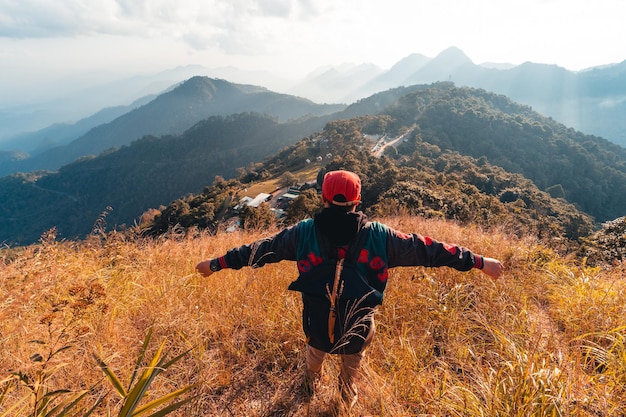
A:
[342,188]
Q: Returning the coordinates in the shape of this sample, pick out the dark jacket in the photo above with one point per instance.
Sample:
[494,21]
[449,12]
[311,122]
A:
[339,227]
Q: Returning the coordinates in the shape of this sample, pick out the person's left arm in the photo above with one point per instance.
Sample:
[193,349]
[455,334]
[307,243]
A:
[416,250]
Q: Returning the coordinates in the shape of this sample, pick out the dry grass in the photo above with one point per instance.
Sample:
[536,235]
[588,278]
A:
[545,339]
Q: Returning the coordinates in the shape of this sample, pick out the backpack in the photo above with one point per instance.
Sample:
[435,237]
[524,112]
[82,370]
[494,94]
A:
[338,301]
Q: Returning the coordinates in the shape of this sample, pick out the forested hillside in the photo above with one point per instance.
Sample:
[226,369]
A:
[589,170]
[429,183]
[123,183]
[466,154]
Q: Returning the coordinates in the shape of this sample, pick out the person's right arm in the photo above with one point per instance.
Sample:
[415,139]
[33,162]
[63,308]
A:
[282,246]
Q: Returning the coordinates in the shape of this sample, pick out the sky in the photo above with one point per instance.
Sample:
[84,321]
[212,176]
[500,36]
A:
[43,42]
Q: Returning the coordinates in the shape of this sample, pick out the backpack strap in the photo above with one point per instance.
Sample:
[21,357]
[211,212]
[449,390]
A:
[333,298]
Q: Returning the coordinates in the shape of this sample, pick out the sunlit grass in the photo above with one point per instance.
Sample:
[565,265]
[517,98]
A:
[546,339]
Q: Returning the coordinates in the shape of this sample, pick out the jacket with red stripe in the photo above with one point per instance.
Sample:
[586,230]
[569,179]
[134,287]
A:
[385,248]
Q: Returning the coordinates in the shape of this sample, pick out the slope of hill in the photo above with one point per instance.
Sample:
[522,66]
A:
[546,339]
[590,170]
[148,173]
[172,113]
[427,183]
[7,157]
[585,170]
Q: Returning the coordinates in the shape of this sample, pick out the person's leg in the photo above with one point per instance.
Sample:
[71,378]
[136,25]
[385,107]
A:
[314,362]
[350,366]
[350,370]
[314,359]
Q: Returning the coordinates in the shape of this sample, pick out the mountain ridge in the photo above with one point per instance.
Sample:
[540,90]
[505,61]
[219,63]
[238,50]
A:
[591,100]
[443,120]
[173,112]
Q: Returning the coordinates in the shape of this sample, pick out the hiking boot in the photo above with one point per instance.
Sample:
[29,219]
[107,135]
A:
[311,383]
[349,392]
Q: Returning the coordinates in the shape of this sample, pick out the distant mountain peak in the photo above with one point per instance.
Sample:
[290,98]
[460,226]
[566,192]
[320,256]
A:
[202,85]
[452,55]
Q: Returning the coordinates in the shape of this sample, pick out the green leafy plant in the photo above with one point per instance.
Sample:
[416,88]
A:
[137,388]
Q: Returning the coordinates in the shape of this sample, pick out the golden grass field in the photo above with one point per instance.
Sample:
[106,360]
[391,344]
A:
[546,339]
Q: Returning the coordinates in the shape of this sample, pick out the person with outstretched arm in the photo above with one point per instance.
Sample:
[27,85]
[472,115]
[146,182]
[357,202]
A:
[343,261]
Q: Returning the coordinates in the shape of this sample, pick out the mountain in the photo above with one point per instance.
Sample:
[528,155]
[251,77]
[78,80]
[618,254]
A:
[402,70]
[592,101]
[65,100]
[428,173]
[467,154]
[170,113]
[444,67]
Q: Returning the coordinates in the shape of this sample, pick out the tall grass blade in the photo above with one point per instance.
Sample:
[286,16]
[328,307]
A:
[93,408]
[172,407]
[139,390]
[45,375]
[65,406]
[142,354]
[117,384]
[174,360]
[42,406]
[160,401]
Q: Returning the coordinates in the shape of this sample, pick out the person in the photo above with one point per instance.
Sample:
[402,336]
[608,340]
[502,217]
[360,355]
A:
[332,233]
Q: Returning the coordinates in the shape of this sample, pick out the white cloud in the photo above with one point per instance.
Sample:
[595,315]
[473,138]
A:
[298,36]
[68,18]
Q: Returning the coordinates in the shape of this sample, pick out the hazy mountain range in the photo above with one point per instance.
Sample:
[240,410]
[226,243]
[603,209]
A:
[592,101]
[560,163]
[163,145]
